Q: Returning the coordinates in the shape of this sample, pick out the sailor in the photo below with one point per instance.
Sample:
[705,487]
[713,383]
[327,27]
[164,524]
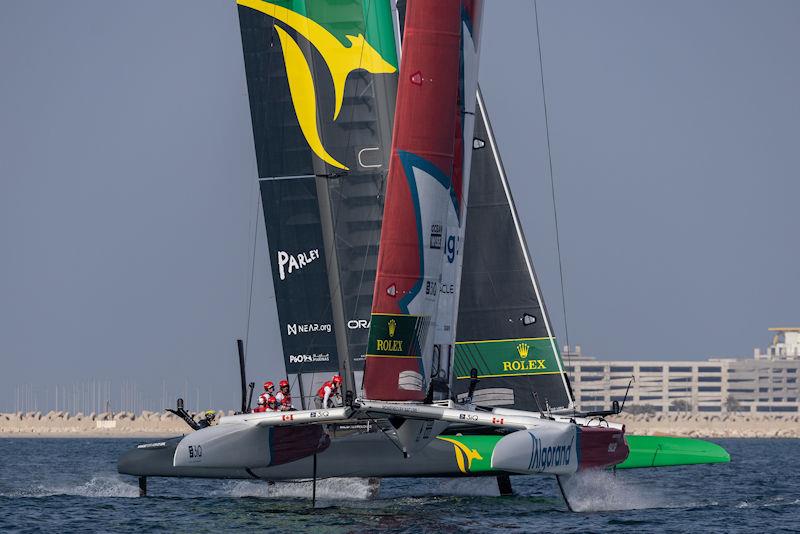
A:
[283,390]
[269,391]
[262,405]
[329,390]
[286,404]
[272,405]
[208,419]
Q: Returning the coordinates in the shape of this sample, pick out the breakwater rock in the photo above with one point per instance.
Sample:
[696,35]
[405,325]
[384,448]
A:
[734,425]
[106,424]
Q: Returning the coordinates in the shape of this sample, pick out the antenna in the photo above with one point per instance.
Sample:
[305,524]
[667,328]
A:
[538,404]
[473,381]
[252,386]
[240,348]
[618,409]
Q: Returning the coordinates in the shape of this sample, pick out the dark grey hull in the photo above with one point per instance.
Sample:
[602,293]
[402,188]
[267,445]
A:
[370,454]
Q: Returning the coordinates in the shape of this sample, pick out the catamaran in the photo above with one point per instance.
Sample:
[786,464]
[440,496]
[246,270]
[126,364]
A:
[372,157]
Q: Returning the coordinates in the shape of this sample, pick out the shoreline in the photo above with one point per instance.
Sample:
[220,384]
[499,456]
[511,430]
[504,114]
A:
[149,425]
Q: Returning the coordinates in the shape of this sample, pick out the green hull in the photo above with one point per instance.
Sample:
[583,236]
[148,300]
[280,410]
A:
[474,453]
[663,451]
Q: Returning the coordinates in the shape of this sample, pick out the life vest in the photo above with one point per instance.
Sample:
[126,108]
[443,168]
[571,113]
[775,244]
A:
[321,391]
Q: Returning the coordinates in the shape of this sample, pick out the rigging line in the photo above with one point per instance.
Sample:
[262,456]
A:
[252,277]
[552,181]
[256,186]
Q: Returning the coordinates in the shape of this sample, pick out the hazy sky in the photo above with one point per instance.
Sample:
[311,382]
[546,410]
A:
[128,196]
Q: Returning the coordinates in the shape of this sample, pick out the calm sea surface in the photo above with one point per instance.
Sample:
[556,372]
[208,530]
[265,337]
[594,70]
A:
[71,485]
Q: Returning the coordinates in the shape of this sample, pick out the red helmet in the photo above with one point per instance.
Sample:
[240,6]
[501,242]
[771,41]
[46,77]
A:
[272,400]
[268,384]
[284,384]
[262,401]
[336,379]
[286,401]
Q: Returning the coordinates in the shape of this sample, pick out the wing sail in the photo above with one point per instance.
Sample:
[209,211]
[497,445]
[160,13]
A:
[424,209]
[321,78]
[504,331]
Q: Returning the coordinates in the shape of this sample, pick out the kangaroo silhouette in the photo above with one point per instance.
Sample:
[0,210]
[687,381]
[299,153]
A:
[463,453]
[340,59]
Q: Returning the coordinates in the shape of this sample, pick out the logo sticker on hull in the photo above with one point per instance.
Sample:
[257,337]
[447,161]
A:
[464,455]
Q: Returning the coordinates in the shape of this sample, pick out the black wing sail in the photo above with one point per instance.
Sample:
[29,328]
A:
[321,77]
[503,328]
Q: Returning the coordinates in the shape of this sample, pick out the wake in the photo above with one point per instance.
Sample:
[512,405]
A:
[354,489]
[601,491]
[97,487]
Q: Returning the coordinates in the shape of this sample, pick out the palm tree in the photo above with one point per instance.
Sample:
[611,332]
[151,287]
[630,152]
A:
[681,405]
[732,405]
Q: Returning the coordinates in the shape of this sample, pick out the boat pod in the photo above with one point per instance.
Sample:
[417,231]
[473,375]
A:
[550,448]
[231,445]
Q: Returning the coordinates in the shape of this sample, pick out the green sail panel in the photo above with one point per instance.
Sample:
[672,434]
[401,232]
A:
[506,358]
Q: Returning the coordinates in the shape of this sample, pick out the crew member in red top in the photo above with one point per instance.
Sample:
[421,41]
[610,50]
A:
[272,404]
[328,390]
[286,404]
[269,391]
[262,405]
[283,392]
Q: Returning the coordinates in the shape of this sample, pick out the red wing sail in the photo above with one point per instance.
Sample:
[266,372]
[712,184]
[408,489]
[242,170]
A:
[452,260]
[423,209]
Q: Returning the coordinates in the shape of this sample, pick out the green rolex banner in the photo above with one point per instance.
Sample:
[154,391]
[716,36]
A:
[506,358]
[400,335]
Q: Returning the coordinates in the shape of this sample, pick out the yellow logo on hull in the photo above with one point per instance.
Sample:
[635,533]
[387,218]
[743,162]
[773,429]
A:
[340,59]
[464,455]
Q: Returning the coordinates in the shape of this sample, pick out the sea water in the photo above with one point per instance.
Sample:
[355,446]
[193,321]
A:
[71,485]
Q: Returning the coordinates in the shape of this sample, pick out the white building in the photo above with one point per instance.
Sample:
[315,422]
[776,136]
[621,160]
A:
[767,383]
[785,345]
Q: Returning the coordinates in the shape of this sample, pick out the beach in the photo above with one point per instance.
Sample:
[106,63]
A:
[151,424]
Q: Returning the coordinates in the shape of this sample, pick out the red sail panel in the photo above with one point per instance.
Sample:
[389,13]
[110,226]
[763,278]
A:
[419,198]
[452,260]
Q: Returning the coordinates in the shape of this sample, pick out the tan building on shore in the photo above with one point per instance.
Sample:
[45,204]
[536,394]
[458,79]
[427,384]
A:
[765,383]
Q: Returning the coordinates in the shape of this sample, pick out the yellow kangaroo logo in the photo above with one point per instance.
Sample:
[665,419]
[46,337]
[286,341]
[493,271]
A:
[463,453]
[340,59]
